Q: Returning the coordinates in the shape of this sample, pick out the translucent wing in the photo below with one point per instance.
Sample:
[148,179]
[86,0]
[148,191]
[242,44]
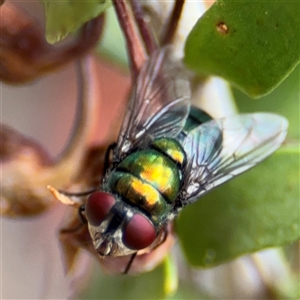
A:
[221,149]
[159,103]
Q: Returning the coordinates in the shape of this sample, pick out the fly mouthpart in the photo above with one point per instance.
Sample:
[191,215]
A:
[105,248]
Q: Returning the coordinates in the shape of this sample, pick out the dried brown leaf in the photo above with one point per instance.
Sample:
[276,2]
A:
[22,162]
[25,54]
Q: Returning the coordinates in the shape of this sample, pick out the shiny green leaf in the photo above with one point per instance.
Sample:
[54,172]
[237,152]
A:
[257,210]
[254,45]
[189,290]
[157,284]
[284,101]
[64,17]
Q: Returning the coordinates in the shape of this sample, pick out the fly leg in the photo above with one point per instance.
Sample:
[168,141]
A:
[71,199]
[81,216]
[132,257]
[110,148]
[82,219]
[163,237]
[79,194]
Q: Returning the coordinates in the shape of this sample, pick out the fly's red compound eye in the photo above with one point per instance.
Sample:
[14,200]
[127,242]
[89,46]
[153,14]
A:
[139,233]
[98,206]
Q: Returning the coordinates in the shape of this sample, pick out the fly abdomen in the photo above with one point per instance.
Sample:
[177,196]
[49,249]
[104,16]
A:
[149,179]
[172,149]
[154,168]
[138,193]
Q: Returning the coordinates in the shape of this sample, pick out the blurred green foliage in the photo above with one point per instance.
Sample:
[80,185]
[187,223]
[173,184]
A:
[63,17]
[254,45]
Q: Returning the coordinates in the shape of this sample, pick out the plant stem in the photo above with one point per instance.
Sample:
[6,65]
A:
[170,29]
[135,46]
[146,33]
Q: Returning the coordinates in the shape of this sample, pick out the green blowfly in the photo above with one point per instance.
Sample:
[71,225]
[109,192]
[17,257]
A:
[169,154]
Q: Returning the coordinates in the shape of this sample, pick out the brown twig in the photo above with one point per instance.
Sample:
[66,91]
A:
[170,29]
[146,34]
[136,51]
